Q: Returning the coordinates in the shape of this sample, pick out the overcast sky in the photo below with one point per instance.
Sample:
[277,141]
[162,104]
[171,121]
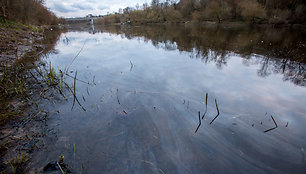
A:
[79,8]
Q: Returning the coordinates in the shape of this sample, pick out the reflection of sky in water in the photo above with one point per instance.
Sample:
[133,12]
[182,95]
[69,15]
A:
[167,78]
[175,72]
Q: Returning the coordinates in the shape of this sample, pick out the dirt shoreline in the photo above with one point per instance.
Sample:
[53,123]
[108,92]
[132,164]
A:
[23,88]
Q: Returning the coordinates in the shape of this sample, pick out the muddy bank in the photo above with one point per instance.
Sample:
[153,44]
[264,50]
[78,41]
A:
[23,87]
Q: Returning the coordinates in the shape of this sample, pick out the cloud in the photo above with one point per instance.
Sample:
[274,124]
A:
[102,7]
[72,8]
[60,7]
[82,6]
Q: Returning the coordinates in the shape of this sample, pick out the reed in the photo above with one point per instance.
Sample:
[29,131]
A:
[131,66]
[74,94]
[118,97]
[205,106]
[76,99]
[200,122]
[77,55]
[218,113]
[276,126]
[93,80]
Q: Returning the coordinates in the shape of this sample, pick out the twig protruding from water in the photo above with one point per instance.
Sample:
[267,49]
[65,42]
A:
[66,69]
[131,65]
[273,127]
[74,96]
[93,80]
[74,89]
[205,106]
[78,79]
[218,113]
[118,96]
[83,98]
[199,123]
[87,91]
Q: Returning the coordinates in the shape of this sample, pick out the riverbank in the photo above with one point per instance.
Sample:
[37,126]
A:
[23,82]
[21,45]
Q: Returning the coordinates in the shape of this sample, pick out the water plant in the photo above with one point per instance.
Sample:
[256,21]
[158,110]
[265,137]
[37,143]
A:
[51,76]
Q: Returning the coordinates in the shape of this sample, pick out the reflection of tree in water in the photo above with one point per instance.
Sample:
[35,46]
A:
[292,71]
[281,50]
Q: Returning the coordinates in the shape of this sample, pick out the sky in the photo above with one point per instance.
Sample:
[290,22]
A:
[80,8]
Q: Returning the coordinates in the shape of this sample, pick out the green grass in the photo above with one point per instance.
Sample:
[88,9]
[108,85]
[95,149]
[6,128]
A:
[18,163]
[18,26]
[52,77]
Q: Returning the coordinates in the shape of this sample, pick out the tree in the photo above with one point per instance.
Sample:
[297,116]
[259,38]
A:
[218,10]
[251,9]
[173,15]
[154,3]
[186,7]
[26,11]
[137,6]
[127,10]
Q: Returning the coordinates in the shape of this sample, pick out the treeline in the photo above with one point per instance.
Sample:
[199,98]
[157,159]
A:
[253,11]
[27,12]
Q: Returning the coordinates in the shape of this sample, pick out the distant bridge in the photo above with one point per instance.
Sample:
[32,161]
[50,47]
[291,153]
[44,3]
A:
[83,19]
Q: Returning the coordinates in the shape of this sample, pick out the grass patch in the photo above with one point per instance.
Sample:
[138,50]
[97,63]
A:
[18,163]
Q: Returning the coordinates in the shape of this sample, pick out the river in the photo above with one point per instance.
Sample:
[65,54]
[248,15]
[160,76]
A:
[141,90]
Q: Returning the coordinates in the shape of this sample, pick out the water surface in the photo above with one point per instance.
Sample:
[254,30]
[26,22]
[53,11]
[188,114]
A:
[147,85]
